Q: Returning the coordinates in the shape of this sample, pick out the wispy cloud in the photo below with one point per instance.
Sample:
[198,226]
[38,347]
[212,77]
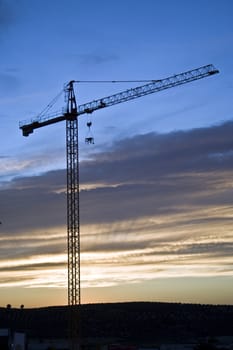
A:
[153,206]
[95,58]
[9,83]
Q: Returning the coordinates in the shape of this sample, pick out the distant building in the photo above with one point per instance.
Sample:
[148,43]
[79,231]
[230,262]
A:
[4,339]
[19,341]
[10,340]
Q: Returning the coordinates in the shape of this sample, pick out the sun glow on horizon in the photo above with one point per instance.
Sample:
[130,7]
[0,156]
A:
[140,251]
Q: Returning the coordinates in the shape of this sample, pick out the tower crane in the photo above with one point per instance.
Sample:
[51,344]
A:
[70,116]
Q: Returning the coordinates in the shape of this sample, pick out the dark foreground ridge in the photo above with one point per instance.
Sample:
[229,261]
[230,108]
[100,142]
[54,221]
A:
[135,321]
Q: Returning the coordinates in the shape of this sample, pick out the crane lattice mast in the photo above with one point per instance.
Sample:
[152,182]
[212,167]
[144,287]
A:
[72,154]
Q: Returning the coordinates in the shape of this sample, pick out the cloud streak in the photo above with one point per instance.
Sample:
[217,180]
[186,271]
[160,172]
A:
[155,205]
[96,58]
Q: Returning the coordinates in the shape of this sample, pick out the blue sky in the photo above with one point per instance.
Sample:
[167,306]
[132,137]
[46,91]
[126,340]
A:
[156,188]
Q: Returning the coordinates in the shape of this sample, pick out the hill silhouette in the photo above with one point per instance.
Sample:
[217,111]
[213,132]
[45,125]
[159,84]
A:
[134,321]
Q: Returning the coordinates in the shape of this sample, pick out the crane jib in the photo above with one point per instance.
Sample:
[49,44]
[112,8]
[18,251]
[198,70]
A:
[152,87]
[124,96]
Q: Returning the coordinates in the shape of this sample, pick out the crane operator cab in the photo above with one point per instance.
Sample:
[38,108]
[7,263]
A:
[89,138]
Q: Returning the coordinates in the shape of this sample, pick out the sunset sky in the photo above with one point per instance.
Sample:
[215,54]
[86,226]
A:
[157,185]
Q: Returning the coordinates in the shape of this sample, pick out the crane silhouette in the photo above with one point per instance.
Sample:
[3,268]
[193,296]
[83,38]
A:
[70,115]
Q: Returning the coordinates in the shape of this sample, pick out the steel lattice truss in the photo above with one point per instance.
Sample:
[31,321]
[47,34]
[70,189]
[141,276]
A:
[70,115]
[127,95]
